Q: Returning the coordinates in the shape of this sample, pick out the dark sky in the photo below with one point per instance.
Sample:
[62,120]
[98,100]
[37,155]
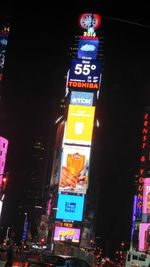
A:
[33,85]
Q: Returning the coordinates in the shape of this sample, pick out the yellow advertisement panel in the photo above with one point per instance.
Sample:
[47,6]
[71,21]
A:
[79,127]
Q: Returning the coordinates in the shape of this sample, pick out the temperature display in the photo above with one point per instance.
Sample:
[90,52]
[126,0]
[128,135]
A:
[85,74]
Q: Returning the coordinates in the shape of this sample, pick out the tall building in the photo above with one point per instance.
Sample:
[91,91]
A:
[32,207]
[70,219]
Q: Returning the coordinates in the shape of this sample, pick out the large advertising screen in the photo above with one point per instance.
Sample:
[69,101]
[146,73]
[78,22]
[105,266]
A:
[144,237]
[57,154]
[74,169]
[67,234]
[88,48]
[81,98]
[70,207]
[79,126]
[3,45]
[146,201]
[84,74]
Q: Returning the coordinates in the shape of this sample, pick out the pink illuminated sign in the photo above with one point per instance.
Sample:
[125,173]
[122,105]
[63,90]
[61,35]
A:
[146,200]
[3,153]
[67,234]
[144,237]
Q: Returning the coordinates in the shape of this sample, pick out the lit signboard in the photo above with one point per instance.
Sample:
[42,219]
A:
[3,45]
[144,237]
[84,74]
[70,207]
[81,98]
[146,201]
[57,154]
[87,49]
[74,169]
[79,127]
[67,234]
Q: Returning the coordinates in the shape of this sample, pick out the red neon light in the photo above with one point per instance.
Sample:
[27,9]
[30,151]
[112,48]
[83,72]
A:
[142,159]
[141,171]
[143,145]
[144,137]
[88,37]
[141,180]
[145,123]
[146,116]
[139,204]
[145,130]
[140,188]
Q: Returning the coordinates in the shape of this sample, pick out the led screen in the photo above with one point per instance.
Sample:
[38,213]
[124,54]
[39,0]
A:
[87,49]
[79,127]
[70,207]
[144,237]
[84,74]
[3,155]
[74,169]
[146,201]
[81,98]
[67,234]
[57,154]
[3,45]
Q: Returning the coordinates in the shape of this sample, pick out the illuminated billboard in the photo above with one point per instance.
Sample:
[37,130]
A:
[81,98]
[84,74]
[88,48]
[3,45]
[67,234]
[146,201]
[74,169]
[144,237]
[3,155]
[70,207]
[57,154]
[79,126]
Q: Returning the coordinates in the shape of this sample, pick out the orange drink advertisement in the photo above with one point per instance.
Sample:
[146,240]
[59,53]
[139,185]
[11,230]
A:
[74,169]
[79,126]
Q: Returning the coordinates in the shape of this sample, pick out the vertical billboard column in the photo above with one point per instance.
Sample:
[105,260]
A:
[82,85]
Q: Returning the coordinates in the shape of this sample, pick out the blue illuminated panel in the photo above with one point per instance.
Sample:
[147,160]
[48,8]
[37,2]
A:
[70,207]
[87,49]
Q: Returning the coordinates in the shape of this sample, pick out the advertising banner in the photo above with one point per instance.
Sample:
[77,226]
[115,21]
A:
[146,201]
[74,169]
[84,74]
[81,98]
[144,237]
[67,234]
[79,126]
[57,154]
[88,48]
[70,207]
[3,45]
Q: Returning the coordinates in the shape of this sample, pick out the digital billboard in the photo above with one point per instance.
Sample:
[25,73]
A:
[57,154]
[3,45]
[88,48]
[144,237]
[70,207]
[81,98]
[3,156]
[67,234]
[74,169]
[146,201]
[84,74]
[79,125]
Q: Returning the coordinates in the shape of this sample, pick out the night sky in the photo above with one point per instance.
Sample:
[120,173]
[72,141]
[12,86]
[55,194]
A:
[33,85]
